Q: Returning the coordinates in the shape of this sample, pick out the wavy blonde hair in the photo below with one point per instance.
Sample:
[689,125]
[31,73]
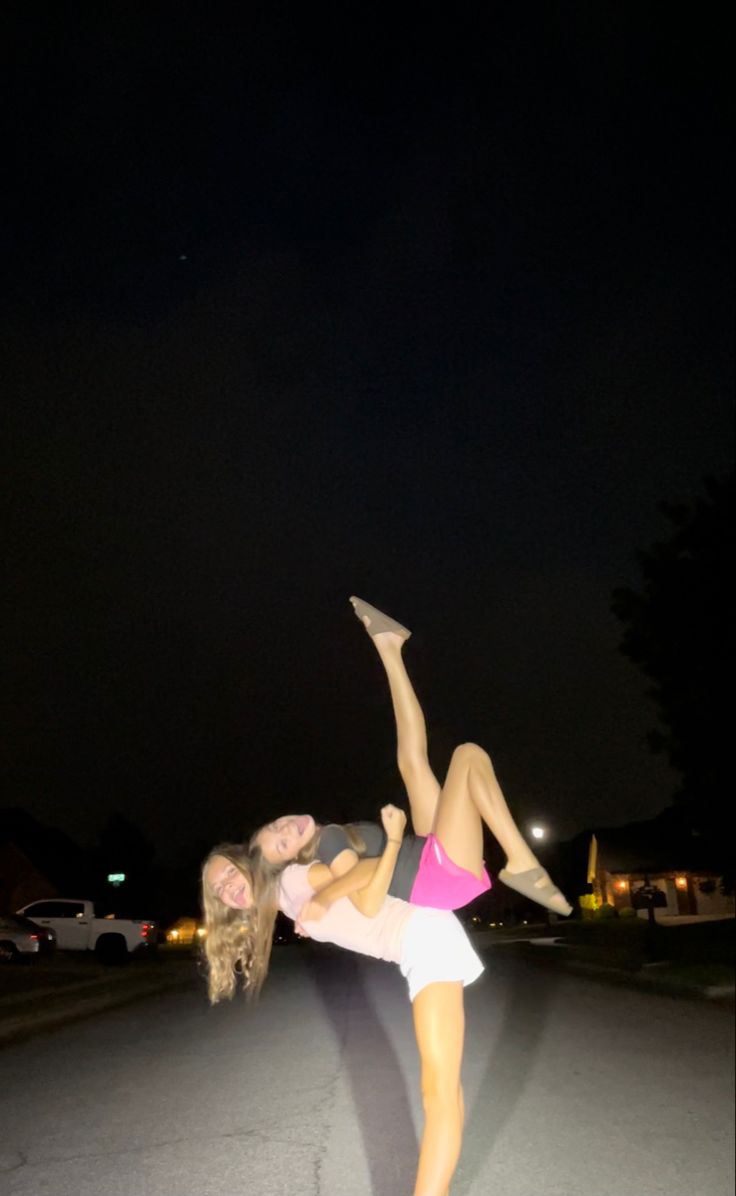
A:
[237,944]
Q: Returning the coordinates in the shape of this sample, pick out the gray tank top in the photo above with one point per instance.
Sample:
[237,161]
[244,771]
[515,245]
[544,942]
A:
[333,840]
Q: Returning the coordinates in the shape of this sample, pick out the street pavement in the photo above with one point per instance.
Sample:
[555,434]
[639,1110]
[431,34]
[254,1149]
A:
[572,1087]
[46,994]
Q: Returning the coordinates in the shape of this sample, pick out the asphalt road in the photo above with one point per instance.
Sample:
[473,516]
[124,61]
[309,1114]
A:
[572,1088]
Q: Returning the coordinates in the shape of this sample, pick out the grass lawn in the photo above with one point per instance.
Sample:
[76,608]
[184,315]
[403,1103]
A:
[693,953]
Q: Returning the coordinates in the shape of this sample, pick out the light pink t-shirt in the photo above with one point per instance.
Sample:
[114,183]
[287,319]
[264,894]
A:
[343,924]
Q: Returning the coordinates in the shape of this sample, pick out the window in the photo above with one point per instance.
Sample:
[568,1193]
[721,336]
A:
[40,909]
[54,909]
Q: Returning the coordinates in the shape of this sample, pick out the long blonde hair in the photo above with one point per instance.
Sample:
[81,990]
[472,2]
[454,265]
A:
[237,943]
[310,851]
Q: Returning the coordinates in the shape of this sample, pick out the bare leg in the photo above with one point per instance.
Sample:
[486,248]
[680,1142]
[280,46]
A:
[439,1025]
[471,794]
[422,786]
[471,791]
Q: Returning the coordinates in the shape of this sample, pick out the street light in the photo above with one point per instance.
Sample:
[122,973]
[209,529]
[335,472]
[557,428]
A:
[538,832]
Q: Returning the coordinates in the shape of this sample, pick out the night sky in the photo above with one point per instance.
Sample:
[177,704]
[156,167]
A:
[313,300]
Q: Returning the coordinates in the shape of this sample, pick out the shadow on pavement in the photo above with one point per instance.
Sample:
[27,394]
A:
[508,1065]
[374,1073]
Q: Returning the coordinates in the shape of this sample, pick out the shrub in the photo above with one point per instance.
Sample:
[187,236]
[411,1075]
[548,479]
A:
[605,912]
[627,911]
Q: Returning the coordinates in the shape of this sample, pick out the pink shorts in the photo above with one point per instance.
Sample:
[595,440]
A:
[440,884]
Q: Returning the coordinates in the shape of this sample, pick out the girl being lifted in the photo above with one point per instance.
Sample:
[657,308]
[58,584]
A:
[441,864]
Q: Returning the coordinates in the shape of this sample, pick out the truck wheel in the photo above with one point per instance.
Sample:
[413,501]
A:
[112,949]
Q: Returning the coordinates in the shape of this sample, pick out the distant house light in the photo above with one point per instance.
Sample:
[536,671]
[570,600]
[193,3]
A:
[681,882]
[622,885]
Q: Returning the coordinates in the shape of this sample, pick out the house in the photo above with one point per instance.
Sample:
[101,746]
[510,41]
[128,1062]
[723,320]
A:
[665,853]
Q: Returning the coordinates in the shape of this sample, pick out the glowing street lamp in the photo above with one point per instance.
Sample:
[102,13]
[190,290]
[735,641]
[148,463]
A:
[538,832]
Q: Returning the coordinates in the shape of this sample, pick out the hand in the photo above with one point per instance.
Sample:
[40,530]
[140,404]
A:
[313,911]
[394,822]
[299,929]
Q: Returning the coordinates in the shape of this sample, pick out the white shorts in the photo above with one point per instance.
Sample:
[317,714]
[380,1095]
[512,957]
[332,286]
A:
[436,947]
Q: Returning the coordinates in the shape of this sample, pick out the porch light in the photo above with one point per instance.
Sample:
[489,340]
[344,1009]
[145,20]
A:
[681,882]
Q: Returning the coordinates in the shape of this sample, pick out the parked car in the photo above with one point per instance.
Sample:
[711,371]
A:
[77,928]
[22,938]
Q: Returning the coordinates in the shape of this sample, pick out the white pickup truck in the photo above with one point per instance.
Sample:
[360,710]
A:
[79,929]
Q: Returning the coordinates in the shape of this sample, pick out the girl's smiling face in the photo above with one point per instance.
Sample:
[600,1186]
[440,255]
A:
[282,840]
[228,884]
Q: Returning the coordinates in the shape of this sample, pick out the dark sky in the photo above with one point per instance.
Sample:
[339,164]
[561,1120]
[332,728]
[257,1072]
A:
[313,300]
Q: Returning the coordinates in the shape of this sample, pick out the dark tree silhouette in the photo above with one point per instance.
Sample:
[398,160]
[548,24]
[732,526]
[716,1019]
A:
[678,631]
[68,867]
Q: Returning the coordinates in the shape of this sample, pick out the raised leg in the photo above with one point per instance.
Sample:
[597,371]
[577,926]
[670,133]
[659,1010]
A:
[439,1026]
[422,786]
[471,792]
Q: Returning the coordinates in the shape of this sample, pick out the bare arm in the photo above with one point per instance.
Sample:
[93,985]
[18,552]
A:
[330,888]
[366,883]
[370,899]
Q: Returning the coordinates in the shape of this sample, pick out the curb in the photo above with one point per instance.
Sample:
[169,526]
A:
[19,1027]
[641,981]
[644,982]
[52,991]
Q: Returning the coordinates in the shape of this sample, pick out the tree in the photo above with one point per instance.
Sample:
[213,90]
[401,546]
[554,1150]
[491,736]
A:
[678,631]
